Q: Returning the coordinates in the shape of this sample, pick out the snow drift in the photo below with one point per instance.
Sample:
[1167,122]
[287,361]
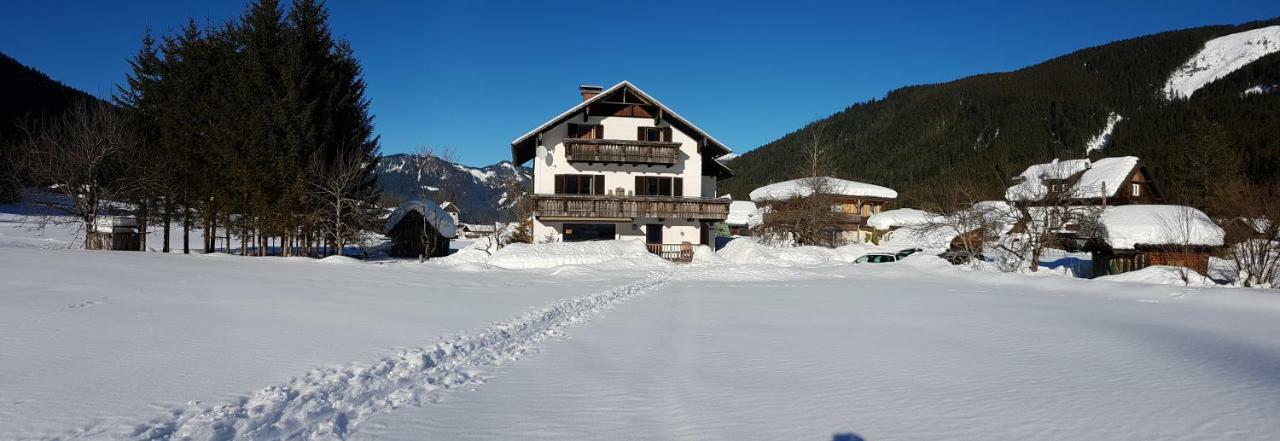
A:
[550,255]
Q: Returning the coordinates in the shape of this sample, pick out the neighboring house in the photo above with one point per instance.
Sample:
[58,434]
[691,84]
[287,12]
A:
[1107,181]
[855,201]
[621,165]
[742,216]
[473,231]
[453,210]
[115,233]
[1138,236]
[420,230]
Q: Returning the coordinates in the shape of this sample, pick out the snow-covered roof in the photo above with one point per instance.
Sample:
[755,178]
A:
[1031,187]
[436,216]
[109,224]
[1107,173]
[740,213]
[1220,57]
[801,188]
[1130,225]
[898,218]
[1104,177]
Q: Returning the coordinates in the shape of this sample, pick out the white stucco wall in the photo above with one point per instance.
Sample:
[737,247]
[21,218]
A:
[621,175]
[674,231]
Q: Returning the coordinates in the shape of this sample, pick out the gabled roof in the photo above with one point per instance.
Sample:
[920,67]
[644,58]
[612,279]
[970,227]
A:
[527,141]
[1094,176]
[431,213]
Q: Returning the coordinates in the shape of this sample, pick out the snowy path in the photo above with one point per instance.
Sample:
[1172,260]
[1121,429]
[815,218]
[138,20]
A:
[328,403]
[888,353]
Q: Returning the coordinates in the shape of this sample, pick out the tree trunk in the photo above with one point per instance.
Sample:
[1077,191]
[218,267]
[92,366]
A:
[186,230]
[168,222]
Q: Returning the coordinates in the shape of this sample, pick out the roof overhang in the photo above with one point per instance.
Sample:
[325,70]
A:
[524,147]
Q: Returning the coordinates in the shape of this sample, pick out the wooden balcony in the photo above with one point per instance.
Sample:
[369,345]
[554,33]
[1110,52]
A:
[622,151]
[681,252]
[625,208]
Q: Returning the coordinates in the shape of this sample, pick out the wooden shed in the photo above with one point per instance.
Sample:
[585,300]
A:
[420,230]
[115,233]
[1138,236]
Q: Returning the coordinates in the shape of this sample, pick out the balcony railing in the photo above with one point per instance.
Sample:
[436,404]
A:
[622,151]
[614,207]
[682,252]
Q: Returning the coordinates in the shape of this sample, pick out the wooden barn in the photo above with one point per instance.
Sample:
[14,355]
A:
[420,230]
[115,233]
[1138,236]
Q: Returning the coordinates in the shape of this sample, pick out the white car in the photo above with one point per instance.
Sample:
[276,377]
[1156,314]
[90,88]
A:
[877,258]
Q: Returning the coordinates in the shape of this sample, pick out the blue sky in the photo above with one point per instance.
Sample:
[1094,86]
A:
[473,75]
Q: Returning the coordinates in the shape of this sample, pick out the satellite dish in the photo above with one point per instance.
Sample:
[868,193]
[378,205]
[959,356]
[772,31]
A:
[544,154]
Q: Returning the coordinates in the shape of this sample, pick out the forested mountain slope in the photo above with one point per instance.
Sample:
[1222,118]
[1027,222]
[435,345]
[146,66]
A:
[987,128]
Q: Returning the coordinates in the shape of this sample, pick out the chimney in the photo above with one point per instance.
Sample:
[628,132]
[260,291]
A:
[589,91]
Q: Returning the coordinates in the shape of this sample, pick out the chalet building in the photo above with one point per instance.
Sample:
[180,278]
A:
[453,210]
[742,216]
[621,165]
[1106,181]
[1138,236]
[420,230]
[855,202]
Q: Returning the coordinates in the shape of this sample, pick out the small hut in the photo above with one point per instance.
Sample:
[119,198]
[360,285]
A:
[1138,236]
[115,233]
[420,230]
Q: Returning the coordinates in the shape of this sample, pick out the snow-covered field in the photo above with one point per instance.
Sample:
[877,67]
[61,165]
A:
[745,344]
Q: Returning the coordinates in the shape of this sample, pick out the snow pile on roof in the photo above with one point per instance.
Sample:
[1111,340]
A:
[1130,225]
[550,255]
[1031,186]
[436,216]
[1220,57]
[1161,275]
[803,187]
[1107,174]
[741,213]
[111,224]
[1099,141]
[748,250]
[901,217]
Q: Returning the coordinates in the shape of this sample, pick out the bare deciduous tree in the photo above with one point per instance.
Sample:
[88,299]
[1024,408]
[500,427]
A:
[1250,215]
[80,158]
[810,217]
[521,207]
[430,162]
[345,207]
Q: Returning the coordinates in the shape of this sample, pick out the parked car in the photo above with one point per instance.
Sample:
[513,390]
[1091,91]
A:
[907,252]
[877,258]
[959,257]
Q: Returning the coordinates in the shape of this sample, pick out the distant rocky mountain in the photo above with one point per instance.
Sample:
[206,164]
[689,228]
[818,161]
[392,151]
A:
[479,192]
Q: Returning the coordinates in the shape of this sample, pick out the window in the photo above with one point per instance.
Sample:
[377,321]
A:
[653,233]
[579,184]
[1135,189]
[653,134]
[659,186]
[584,232]
[586,131]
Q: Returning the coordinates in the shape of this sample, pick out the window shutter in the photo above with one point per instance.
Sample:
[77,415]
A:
[559,184]
[599,132]
[640,133]
[664,186]
[640,186]
[666,134]
[599,187]
[677,188]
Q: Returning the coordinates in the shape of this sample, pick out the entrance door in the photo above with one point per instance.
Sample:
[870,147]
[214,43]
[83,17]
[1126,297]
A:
[584,232]
[653,233]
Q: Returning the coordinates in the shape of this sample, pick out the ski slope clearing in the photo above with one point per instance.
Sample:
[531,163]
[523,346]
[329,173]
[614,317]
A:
[1220,57]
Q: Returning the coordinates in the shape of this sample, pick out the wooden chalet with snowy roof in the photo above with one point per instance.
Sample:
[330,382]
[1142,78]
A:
[1106,181]
[855,201]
